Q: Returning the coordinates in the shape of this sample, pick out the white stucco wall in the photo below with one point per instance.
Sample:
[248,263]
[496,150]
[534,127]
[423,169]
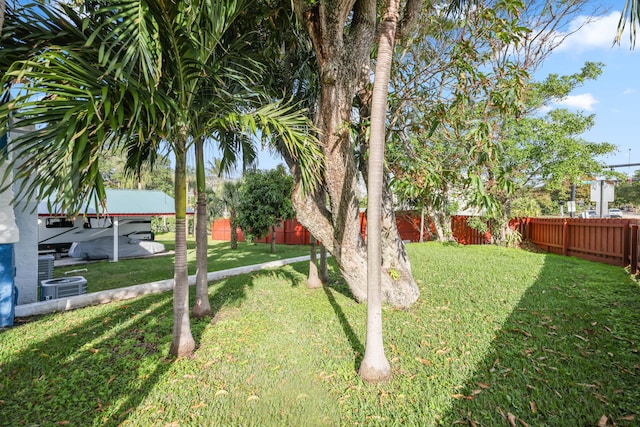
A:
[26,253]
[25,223]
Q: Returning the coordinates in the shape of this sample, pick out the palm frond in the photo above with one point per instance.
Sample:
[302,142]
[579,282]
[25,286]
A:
[630,13]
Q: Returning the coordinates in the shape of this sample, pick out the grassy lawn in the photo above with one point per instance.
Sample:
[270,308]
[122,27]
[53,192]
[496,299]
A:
[103,275]
[499,337]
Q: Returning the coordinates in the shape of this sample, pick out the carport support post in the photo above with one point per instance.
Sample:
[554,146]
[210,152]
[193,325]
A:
[116,223]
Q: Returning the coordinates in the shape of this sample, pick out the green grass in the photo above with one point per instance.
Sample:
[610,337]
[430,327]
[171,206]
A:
[103,275]
[547,340]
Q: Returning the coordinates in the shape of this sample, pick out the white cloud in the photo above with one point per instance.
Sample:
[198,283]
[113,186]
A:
[597,34]
[629,91]
[585,101]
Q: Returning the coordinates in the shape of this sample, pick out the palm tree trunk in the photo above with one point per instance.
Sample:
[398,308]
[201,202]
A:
[375,366]
[202,307]
[182,343]
[234,229]
[3,6]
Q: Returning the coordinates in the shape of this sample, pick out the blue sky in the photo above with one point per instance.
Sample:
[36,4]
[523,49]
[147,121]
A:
[614,96]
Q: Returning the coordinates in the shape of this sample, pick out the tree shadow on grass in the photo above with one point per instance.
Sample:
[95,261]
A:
[86,374]
[568,354]
[335,284]
[97,369]
[354,341]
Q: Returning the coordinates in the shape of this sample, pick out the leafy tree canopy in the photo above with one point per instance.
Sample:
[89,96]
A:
[264,201]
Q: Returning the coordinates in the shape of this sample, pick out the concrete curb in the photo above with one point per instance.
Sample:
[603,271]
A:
[103,297]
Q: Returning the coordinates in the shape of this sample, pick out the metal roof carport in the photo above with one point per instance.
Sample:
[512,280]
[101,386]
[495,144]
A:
[123,203]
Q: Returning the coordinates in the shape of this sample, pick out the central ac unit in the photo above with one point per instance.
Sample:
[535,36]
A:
[63,287]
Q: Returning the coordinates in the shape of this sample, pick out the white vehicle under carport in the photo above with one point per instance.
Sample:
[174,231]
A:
[102,248]
[58,233]
[126,215]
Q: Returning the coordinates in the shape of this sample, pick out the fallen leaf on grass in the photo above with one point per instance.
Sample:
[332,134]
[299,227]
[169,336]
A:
[525,333]
[628,417]
[603,421]
[252,398]
[221,393]
[461,396]
[512,419]
[424,361]
[63,423]
[601,398]
[198,405]
[534,407]
[484,386]
[110,380]
[501,412]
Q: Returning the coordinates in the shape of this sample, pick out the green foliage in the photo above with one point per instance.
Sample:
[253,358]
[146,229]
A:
[264,201]
[450,96]
[157,176]
[629,194]
[478,223]
[513,239]
[549,339]
[525,207]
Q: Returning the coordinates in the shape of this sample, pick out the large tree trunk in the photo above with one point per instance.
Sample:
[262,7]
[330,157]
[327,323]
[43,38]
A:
[234,229]
[313,280]
[201,307]
[182,343]
[442,224]
[344,62]
[324,269]
[273,239]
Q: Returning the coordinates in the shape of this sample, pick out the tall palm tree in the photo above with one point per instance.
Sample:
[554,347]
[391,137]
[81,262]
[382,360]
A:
[230,198]
[375,366]
[138,74]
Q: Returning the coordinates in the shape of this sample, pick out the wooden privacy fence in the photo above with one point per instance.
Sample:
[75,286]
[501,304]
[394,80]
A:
[290,233]
[611,241]
[408,223]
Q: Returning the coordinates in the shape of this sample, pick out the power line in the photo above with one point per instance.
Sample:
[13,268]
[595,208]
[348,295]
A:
[623,166]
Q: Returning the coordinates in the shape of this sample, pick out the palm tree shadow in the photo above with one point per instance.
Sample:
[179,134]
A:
[354,341]
[337,284]
[227,292]
[568,345]
[86,369]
